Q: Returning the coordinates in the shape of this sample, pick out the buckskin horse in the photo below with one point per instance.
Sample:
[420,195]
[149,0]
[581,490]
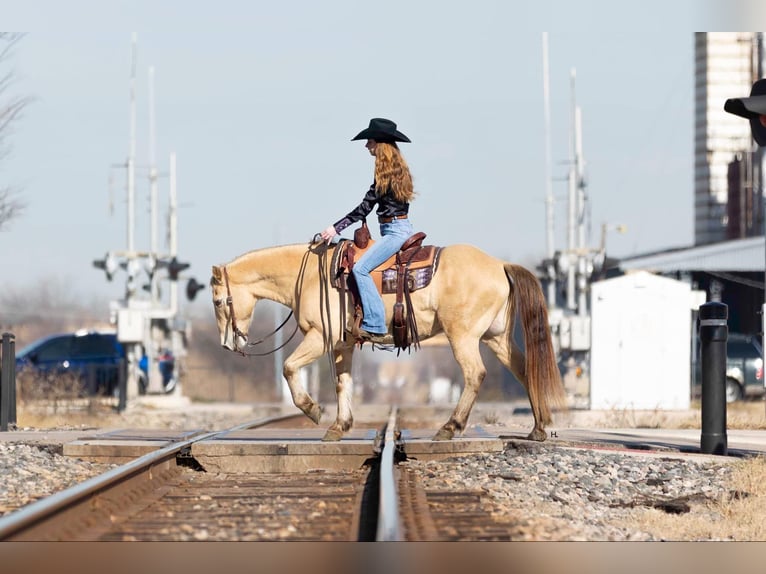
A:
[472,297]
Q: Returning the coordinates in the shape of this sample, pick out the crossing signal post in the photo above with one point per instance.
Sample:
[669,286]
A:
[150,325]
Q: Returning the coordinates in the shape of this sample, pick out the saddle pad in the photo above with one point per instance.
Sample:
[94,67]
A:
[416,279]
[420,270]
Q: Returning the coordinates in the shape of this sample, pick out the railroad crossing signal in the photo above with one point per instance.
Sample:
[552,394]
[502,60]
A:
[192,286]
[175,267]
[752,108]
[109,264]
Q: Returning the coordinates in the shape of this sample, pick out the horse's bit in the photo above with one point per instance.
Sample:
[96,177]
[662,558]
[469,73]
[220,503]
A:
[229,300]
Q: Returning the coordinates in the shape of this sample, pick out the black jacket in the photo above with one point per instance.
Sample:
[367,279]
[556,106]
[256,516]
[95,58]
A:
[388,206]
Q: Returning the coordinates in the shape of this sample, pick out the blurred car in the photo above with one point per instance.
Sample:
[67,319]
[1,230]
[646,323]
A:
[89,358]
[744,369]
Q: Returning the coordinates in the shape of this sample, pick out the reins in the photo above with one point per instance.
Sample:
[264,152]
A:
[324,303]
[238,333]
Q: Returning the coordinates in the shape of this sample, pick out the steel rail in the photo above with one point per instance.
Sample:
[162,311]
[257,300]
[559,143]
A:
[38,511]
[389,521]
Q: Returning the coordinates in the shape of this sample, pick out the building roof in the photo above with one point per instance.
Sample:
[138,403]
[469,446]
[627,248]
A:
[736,255]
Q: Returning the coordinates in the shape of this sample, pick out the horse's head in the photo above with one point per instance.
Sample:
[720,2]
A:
[233,304]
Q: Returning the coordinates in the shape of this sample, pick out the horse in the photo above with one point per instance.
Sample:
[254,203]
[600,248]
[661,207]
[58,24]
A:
[473,297]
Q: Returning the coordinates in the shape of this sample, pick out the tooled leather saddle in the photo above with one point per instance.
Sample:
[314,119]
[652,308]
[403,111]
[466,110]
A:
[410,269]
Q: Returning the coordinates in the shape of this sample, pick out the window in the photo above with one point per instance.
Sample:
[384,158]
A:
[743,350]
[55,350]
[93,346]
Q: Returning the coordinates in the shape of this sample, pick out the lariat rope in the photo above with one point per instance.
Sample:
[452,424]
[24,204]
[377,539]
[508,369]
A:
[324,302]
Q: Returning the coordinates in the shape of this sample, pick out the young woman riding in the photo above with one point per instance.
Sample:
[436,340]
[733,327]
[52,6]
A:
[392,191]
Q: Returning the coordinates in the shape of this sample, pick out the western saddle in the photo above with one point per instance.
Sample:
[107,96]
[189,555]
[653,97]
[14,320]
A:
[410,269]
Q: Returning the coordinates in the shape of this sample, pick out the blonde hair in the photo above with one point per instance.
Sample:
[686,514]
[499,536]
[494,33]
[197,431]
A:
[392,172]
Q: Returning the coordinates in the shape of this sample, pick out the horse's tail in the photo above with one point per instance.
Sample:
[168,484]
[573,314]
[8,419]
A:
[542,373]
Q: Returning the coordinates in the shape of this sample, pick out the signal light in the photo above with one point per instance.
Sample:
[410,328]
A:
[192,287]
[108,264]
[175,267]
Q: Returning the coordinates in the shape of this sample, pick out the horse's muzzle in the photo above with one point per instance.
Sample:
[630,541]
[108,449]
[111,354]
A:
[235,343]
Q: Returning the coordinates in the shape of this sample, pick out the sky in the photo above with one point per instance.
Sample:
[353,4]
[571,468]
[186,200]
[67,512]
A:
[259,102]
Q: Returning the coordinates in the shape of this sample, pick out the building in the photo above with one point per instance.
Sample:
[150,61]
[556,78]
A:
[725,262]
[727,169]
[727,271]
[640,356]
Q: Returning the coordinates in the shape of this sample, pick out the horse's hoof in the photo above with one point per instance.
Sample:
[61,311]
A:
[538,435]
[444,434]
[315,413]
[332,435]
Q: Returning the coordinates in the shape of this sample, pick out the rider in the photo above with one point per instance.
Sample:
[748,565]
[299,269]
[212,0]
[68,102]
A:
[392,190]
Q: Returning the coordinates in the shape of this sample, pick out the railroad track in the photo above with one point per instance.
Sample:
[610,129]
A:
[167,495]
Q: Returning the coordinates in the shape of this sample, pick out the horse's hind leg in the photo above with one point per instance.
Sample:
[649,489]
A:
[467,354]
[513,359]
[344,392]
[309,350]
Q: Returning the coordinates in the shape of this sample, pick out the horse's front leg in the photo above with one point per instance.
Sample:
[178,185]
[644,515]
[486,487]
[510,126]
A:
[344,391]
[309,350]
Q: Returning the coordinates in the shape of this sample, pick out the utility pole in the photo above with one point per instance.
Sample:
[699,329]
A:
[153,192]
[572,203]
[132,151]
[549,203]
[133,348]
[154,383]
[178,345]
[578,253]
[582,251]
[173,229]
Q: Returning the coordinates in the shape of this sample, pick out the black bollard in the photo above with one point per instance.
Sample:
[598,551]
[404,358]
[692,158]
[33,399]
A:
[7,382]
[713,333]
[12,385]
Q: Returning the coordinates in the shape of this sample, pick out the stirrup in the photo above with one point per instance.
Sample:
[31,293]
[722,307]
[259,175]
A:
[365,335]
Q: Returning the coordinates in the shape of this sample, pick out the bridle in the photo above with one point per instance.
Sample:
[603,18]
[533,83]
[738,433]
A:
[229,300]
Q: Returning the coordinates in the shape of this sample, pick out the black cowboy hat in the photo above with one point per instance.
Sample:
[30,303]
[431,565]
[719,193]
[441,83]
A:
[381,130]
[751,108]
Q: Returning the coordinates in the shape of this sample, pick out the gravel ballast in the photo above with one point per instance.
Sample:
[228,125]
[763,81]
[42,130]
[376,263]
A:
[539,491]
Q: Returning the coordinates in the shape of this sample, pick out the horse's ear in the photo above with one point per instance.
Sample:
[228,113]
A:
[217,274]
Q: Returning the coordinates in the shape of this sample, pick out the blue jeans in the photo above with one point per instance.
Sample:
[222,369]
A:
[392,237]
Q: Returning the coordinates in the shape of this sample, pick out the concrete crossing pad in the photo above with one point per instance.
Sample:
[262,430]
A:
[274,450]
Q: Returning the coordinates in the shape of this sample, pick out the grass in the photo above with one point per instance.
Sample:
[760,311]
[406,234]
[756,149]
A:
[744,415]
[90,414]
[737,515]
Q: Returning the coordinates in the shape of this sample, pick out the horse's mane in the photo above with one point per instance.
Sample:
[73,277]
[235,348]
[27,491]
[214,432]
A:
[289,253]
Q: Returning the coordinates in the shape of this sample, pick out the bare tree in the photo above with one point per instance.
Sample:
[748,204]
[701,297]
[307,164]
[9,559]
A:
[11,108]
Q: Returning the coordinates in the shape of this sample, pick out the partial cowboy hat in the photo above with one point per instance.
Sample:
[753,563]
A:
[752,108]
[381,130]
